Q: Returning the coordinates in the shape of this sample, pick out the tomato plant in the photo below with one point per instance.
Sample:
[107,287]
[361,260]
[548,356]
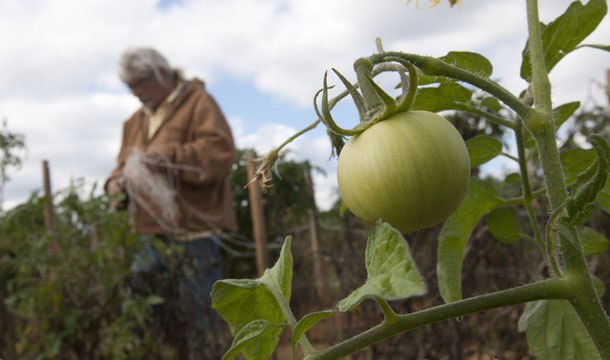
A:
[411,170]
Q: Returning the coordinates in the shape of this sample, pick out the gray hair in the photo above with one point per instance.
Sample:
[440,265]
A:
[139,63]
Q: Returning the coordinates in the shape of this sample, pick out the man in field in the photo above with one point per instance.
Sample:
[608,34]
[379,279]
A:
[176,154]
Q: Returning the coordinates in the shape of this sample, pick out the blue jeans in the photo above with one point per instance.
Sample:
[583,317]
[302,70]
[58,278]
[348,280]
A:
[193,324]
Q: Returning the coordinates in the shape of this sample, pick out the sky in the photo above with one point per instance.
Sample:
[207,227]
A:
[262,60]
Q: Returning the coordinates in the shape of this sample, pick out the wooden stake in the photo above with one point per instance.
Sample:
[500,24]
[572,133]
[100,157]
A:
[608,94]
[318,262]
[49,213]
[258,219]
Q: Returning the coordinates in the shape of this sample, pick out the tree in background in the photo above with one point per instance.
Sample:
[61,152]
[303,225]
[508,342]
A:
[12,147]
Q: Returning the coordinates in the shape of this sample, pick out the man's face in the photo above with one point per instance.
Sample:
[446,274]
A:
[150,91]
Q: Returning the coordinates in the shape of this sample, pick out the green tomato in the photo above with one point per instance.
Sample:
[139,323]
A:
[411,170]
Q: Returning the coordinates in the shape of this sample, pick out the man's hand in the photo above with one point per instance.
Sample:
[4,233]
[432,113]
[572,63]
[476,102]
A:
[116,185]
[158,161]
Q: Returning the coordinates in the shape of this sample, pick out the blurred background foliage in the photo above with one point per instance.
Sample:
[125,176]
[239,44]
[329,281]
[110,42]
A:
[73,300]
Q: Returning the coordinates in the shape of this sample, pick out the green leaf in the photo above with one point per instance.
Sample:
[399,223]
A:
[279,277]
[483,148]
[392,272]
[247,339]
[513,178]
[480,199]
[306,323]
[154,300]
[592,241]
[470,61]
[565,33]
[554,332]
[576,161]
[599,286]
[447,96]
[603,198]
[597,46]
[491,103]
[504,225]
[563,112]
[242,301]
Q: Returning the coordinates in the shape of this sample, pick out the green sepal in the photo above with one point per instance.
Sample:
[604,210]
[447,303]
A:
[356,97]
[388,101]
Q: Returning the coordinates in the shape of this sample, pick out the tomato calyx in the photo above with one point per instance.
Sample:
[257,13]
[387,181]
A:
[372,102]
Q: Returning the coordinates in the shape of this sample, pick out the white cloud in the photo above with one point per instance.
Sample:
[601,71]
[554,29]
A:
[59,84]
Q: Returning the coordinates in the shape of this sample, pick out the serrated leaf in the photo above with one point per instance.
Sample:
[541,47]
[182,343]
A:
[246,340]
[483,148]
[392,272]
[446,96]
[575,161]
[307,322]
[470,61]
[565,33]
[242,301]
[480,199]
[280,275]
[491,103]
[592,241]
[554,332]
[504,225]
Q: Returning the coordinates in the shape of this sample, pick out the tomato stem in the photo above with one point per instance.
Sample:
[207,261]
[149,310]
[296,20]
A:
[546,289]
[583,296]
[433,66]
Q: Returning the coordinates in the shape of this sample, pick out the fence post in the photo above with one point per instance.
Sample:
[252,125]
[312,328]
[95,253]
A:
[258,218]
[49,213]
[318,261]
[608,95]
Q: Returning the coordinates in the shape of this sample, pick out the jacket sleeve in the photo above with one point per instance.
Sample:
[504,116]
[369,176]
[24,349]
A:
[209,152]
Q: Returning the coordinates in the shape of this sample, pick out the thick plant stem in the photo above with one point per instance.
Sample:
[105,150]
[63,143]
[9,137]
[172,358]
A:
[546,289]
[527,202]
[583,296]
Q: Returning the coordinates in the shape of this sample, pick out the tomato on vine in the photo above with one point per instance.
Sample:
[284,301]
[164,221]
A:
[411,170]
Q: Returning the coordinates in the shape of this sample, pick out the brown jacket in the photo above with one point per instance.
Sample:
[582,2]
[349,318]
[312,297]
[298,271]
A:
[193,135]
